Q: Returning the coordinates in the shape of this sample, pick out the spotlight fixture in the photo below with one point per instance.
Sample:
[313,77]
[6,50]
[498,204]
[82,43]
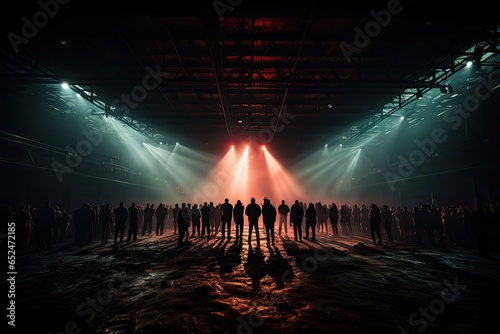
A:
[446,89]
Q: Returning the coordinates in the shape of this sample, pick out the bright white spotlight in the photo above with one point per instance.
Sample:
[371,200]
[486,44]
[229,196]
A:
[161,143]
[65,85]
[177,143]
[340,145]
[469,63]
[326,145]
[263,147]
[359,150]
[78,95]
[402,117]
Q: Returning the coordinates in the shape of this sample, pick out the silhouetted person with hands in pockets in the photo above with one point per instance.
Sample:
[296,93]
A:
[253,212]
[311,221]
[296,216]
[283,211]
[238,217]
[269,219]
[226,212]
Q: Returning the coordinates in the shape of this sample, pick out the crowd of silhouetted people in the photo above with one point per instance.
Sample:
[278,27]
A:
[444,226]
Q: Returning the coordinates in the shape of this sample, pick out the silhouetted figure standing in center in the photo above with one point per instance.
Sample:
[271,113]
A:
[253,212]
[121,215]
[296,216]
[226,212]
[375,224]
[311,221]
[238,213]
[133,222]
[283,211]
[269,219]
